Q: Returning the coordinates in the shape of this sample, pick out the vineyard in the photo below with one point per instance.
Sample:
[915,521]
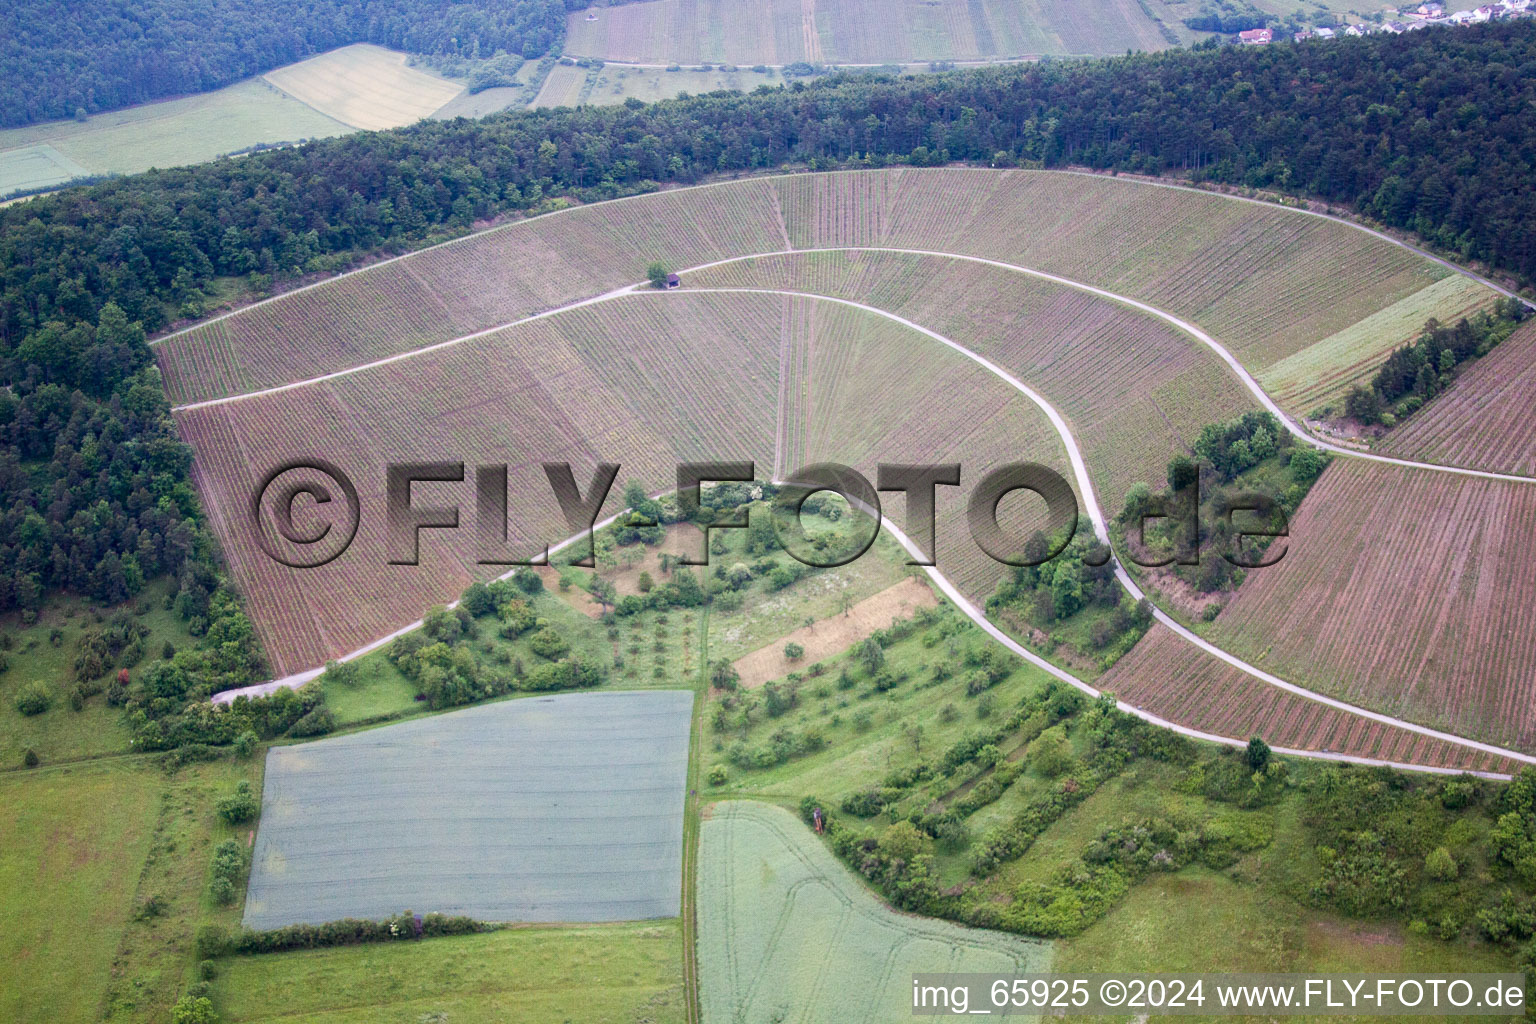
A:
[1266,281]
[647,382]
[1485,420]
[1406,591]
[786,933]
[1178,681]
[1134,391]
[785,31]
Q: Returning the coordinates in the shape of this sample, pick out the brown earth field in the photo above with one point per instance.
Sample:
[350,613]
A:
[834,635]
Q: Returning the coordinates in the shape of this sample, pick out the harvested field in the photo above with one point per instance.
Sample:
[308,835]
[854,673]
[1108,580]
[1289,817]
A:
[784,31]
[561,808]
[834,635]
[365,86]
[1266,281]
[786,933]
[1484,421]
[1406,591]
[1174,679]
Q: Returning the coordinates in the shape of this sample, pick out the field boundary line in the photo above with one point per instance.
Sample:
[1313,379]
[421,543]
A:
[1096,517]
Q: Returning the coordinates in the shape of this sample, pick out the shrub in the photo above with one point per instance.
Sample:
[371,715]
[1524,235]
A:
[33,699]
[30,758]
[547,643]
[794,651]
[240,806]
[207,970]
[191,1009]
[718,775]
[245,744]
[1440,865]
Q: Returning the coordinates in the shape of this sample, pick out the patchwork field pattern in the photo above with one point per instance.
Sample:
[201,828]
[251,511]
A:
[365,86]
[787,934]
[1180,682]
[561,808]
[1407,591]
[860,31]
[1484,420]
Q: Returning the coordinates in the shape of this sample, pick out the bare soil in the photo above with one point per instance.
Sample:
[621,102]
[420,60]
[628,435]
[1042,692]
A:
[836,634]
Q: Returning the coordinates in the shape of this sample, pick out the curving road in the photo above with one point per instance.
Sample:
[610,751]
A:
[1079,468]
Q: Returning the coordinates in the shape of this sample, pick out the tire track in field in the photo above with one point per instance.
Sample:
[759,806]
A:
[1080,472]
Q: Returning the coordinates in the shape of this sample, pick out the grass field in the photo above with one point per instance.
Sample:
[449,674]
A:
[787,934]
[61,733]
[359,86]
[605,974]
[548,808]
[106,865]
[168,134]
[857,31]
[77,837]
[365,86]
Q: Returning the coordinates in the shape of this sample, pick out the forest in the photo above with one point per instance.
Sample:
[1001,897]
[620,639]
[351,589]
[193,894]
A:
[1418,131]
[104,55]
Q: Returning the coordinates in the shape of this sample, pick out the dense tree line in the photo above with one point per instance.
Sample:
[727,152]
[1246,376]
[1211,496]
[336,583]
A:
[1429,131]
[1415,373]
[102,56]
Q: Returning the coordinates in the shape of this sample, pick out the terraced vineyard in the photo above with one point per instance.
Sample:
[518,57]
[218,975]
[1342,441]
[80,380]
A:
[646,381]
[1484,420]
[1135,391]
[1181,682]
[1408,591]
[1267,281]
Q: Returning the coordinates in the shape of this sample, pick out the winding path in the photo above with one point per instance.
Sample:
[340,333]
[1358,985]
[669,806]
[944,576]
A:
[1079,469]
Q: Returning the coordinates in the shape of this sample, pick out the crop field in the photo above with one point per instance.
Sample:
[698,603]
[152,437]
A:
[561,808]
[615,83]
[1174,679]
[166,134]
[616,973]
[1407,591]
[365,86]
[1268,282]
[1484,421]
[564,86]
[786,933]
[859,31]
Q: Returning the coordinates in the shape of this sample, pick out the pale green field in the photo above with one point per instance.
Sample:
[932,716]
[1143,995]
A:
[786,933]
[169,134]
[1324,370]
[75,840]
[601,974]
